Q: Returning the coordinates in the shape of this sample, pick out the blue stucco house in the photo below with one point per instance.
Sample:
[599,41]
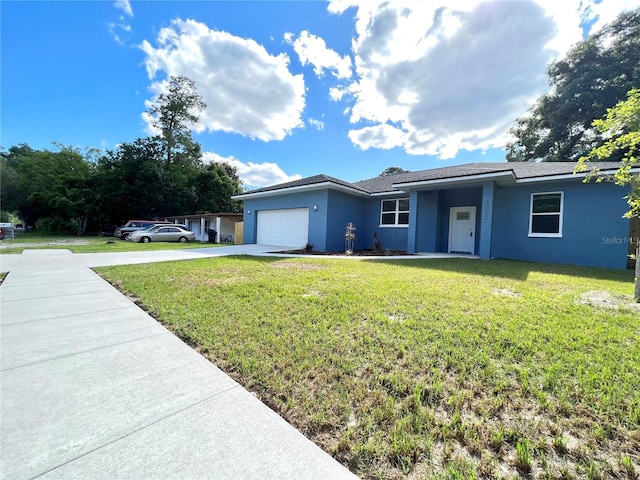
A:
[540,212]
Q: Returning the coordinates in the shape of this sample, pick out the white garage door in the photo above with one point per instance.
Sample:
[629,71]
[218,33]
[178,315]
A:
[287,228]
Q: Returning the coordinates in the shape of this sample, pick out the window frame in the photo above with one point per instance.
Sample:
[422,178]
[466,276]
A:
[560,215]
[397,212]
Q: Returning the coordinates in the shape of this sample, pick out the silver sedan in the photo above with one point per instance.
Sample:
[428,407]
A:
[168,233]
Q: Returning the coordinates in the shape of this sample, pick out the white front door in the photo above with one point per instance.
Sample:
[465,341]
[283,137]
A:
[462,230]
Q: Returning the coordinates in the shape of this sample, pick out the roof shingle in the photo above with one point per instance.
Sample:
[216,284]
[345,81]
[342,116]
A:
[383,184]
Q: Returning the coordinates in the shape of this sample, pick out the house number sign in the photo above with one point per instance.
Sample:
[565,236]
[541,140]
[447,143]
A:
[485,212]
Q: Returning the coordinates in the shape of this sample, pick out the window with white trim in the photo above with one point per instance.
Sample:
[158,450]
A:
[545,214]
[394,213]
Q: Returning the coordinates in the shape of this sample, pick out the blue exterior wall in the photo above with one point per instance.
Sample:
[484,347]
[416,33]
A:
[343,208]
[393,238]
[317,219]
[427,226]
[592,217]
[461,197]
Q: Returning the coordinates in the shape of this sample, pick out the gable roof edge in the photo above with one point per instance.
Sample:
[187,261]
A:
[572,176]
[301,188]
[459,179]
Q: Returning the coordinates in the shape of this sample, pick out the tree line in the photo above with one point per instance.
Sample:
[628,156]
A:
[594,76]
[66,190]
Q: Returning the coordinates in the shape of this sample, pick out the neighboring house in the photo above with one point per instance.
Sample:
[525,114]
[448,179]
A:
[223,223]
[540,212]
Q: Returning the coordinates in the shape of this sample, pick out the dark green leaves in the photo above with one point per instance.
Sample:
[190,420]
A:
[594,76]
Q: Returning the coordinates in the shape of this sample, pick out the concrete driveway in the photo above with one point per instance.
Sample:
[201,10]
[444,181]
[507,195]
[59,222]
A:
[93,387]
[126,258]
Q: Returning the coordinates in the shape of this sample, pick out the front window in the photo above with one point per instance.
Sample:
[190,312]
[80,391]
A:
[545,219]
[394,212]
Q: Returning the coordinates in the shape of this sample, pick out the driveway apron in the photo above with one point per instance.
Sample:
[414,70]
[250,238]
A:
[93,387]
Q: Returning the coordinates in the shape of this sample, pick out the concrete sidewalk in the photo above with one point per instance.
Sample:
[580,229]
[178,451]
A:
[93,387]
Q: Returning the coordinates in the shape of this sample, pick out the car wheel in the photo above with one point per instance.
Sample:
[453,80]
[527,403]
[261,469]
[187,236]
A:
[145,240]
[125,236]
[183,240]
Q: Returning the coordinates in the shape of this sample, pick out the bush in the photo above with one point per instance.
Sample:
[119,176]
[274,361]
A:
[55,226]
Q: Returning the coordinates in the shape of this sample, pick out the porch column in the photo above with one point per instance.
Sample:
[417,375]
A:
[486,220]
[202,232]
[413,222]
[218,229]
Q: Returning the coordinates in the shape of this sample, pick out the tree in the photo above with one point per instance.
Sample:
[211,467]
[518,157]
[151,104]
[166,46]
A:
[36,185]
[392,171]
[134,181]
[130,181]
[594,76]
[621,128]
[215,185]
[174,113]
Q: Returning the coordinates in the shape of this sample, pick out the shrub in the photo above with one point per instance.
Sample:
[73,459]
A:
[55,226]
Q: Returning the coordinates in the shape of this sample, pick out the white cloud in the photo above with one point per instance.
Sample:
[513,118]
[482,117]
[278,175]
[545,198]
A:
[319,124]
[452,75]
[336,93]
[148,120]
[253,175]
[313,50]
[125,6]
[114,28]
[247,90]
[381,136]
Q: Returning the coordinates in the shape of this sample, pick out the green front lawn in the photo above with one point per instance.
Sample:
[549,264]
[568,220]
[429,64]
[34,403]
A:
[89,244]
[428,368]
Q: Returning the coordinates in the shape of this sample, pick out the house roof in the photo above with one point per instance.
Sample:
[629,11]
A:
[514,172]
[511,173]
[307,183]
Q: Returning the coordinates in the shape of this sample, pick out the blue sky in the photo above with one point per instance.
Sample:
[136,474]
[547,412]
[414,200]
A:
[347,87]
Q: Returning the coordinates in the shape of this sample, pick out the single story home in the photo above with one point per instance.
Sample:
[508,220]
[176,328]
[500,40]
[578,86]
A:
[539,212]
[223,223]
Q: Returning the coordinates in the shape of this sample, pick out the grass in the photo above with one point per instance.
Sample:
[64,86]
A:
[89,244]
[444,368]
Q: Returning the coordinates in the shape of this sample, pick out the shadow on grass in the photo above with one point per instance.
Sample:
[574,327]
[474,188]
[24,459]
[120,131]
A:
[510,269]
[514,269]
